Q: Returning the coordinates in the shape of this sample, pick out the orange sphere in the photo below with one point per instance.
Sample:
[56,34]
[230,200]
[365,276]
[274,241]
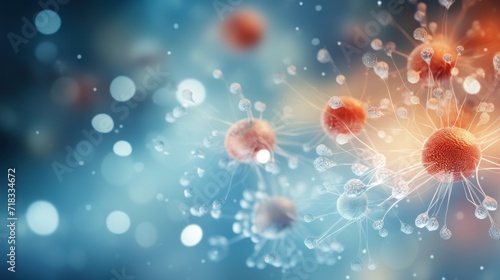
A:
[451,154]
[243,29]
[440,69]
[349,118]
[247,137]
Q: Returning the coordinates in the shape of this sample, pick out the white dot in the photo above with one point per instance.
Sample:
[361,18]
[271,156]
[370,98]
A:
[122,88]
[118,222]
[47,22]
[102,123]
[263,156]
[146,234]
[79,56]
[122,148]
[176,26]
[318,8]
[42,217]
[191,235]
[197,89]
[315,41]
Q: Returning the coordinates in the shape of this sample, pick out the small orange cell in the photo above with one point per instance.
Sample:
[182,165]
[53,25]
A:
[243,29]
[451,154]
[247,137]
[348,118]
[440,69]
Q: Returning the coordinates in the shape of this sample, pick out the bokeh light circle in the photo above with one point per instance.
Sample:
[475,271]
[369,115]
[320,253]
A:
[42,217]
[122,88]
[103,123]
[191,235]
[197,89]
[118,222]
[47,22]
[122,148]
[146,234]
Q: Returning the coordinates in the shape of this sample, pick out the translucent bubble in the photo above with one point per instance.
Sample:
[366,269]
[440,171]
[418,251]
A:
[372,265]
[322,150]
[146,234]
[390,47]
[402,113]
[340,79]
[385,103]
[158,144]
[311,242]
[419,16]
[47,22]
[352,208]
[406,228]
[383,232]
[42,217]
[259,106]
[187,95]
[197,89]
[378,161]
[102,123]
[323,56]
[447,57]
[191,235]
[293,162]
[122,148]
[496,61]
[378,224]
[342,139]
[118,222]
[415,100]
[480,72]
[217,74]
[382,70]
[235,88]
[122,88]
[245,105]
[432,104]
[419,33]
[481,212]
[377,44]
[494,231]
[279,78]
[374,112]
[460,50]
[335,102]
[291,70]
[433,224]
[354,188]
[369,59]
[422,220]
[218,248]
[446,3]
[445,233]
[359,169]
[357,264]
[401,190]
[471,85]
[413,76]
[490,203]
[308,218]
[426,53]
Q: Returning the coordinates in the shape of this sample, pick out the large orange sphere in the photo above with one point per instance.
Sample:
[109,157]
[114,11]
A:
[451,154]
[243,29]
[348,117]
[247,137]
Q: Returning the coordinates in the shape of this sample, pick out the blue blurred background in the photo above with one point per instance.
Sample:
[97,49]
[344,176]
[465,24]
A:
[57,78]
